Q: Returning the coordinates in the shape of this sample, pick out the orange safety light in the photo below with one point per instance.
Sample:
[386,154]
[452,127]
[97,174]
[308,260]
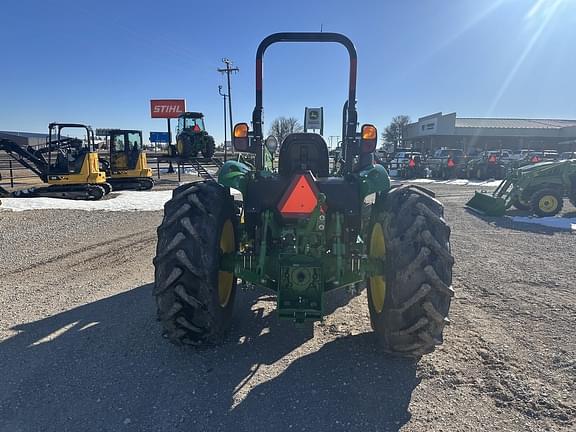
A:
[240,139]
[412,163]
[492,159]
[301,197]
[241,130]
[368,138]
[451,163]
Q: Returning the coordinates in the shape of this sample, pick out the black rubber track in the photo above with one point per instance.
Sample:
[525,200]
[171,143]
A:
[187,263]
[419,272]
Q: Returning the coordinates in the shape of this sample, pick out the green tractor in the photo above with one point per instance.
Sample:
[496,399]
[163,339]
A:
[301,232]
[192,138]
[539,188]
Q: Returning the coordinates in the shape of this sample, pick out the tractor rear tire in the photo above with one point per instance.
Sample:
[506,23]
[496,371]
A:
[209,147]
[409,304]
[546,202]
[194,297]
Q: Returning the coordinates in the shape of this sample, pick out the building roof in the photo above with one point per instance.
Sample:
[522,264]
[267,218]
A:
[25,134]
[510,123]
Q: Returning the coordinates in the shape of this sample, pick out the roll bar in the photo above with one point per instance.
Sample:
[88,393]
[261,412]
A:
[351,117]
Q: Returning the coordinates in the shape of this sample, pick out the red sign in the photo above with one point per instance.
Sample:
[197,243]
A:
[167,108]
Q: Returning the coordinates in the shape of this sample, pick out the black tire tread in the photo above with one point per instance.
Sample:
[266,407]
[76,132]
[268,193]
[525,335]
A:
[186,264]
[419,272]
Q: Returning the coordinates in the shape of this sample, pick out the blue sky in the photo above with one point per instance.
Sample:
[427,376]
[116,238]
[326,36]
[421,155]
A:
[100,62]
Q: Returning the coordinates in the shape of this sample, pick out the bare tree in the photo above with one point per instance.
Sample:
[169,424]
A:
[394,132]
[281,127]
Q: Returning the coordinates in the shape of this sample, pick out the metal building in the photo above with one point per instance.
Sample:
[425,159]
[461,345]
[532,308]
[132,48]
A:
[476,134]
[25,138]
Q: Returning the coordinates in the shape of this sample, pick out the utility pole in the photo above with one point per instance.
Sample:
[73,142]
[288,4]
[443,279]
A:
[228,70]
[224,96]
[337,139]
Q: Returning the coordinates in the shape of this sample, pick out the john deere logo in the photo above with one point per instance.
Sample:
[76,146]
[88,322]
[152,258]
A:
[313,115]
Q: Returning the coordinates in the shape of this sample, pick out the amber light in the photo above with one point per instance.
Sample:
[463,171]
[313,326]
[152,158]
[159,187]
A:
[369,132]
[241,130]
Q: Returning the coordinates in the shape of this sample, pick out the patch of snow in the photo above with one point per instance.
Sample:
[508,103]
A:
[456,182]
[552,222]
[425,181]
[117,201]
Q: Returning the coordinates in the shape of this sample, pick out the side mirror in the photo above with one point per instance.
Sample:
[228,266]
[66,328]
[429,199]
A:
[368,138]
[240,140]
[272,144]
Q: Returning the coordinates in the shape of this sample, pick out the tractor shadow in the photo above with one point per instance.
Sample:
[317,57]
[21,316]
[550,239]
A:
[105,366]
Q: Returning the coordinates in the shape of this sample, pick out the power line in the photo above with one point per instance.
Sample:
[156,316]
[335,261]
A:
[228,70]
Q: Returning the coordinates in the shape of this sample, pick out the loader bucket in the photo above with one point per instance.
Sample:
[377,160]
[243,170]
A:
[487,204]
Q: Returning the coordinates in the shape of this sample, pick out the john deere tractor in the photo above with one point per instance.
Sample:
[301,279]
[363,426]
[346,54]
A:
[539,188]
[301,233]
[192,138]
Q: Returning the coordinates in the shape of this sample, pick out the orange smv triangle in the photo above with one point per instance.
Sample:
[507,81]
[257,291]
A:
[492,158]
[300,198]
[411,164]
[450,163]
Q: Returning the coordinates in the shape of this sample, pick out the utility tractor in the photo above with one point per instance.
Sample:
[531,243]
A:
[192,138]
[539,188]
[302,233]
[127,167]
[69,166]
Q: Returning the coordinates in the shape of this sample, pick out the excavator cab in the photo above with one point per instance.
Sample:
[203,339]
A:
[71,156]
[128,166]
[68,165]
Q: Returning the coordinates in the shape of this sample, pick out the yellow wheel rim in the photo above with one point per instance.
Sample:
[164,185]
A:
[548,203]
[226,279]
[377,283]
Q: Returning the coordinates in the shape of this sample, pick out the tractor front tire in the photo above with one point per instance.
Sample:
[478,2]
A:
[409,303]
[194,297]
[546,202]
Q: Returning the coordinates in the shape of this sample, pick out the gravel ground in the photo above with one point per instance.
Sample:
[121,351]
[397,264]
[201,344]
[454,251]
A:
[80,348]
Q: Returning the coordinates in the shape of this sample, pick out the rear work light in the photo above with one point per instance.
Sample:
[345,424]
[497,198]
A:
[301,197]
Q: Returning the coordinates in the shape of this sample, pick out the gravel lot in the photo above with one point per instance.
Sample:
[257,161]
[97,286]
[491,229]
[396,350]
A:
[80,349]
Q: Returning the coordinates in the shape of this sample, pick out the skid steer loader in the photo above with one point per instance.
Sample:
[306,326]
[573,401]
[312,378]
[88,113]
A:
[301,233]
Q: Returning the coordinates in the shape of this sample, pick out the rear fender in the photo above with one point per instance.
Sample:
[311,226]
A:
[233,175]
[372,180]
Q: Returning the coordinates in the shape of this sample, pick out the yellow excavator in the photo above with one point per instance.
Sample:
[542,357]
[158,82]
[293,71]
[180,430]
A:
[127,167]
[69,166]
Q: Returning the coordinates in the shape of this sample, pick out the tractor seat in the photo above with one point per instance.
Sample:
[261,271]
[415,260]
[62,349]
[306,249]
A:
[303,152]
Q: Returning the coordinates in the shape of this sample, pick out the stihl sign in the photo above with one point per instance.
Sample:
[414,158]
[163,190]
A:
[167,108]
